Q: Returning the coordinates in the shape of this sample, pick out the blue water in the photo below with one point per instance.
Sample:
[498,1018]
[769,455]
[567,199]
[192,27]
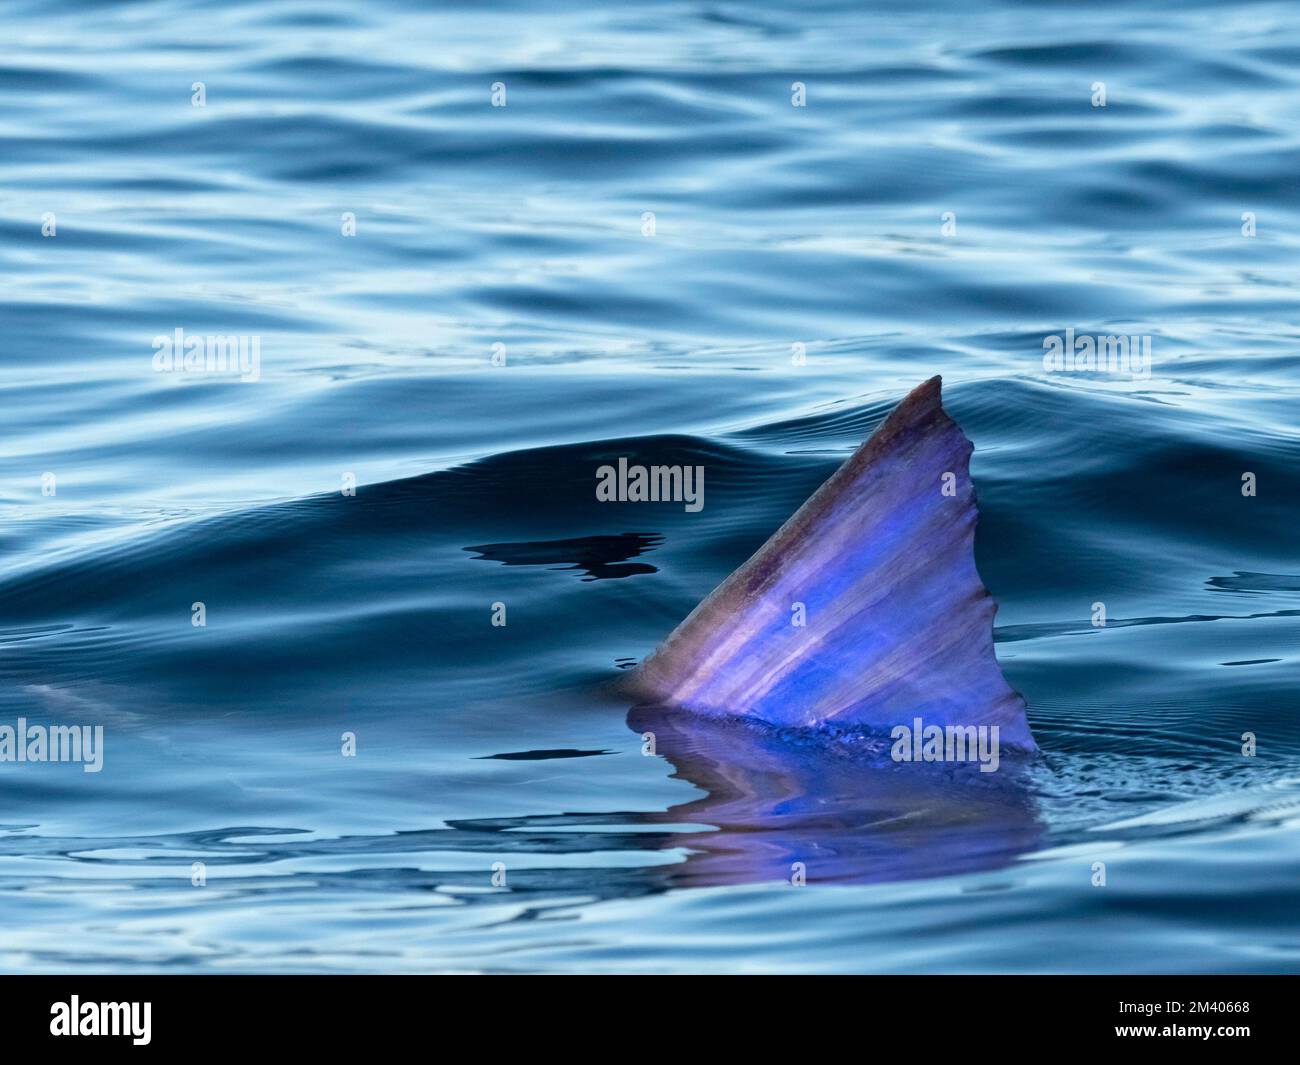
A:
[522,226]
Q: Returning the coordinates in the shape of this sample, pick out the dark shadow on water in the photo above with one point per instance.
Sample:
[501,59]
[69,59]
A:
[541,756]
[1244,583]
[599,557]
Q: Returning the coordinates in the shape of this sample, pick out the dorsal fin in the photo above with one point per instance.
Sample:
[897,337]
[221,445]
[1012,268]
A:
[897,624]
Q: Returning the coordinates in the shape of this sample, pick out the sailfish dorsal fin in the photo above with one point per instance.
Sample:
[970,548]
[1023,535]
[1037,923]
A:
[879,565]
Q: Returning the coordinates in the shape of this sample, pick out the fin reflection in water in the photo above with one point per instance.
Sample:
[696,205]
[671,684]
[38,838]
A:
[842,808]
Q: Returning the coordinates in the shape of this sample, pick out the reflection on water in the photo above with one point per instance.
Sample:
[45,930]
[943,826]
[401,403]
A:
[841,809]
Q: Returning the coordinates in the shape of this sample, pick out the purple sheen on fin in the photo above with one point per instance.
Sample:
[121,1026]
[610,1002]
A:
[897,623]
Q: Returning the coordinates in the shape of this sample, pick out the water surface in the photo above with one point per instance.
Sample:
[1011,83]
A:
[774,226]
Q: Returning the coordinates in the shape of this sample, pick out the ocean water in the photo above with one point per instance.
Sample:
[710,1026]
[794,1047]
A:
[950,195]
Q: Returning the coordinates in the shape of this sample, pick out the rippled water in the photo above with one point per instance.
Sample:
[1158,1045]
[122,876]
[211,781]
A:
[522,226]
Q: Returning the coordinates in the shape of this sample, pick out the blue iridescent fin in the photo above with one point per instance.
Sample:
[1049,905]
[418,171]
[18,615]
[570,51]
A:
[879,565]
